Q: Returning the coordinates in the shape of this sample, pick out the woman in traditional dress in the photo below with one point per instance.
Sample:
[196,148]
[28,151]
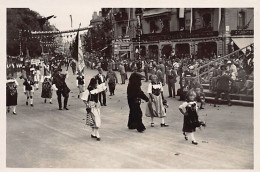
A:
[11,93]
[47,89]
[155,107]
[90,98]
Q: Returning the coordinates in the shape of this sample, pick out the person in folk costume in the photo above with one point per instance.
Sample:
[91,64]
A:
[134,96]
[29,89]
[171,79]
[112,81]
[189,109]
[11,93]
[37,74]
[90,98]
[101,80]
[47,89]
[80,83]
[155,107]
[61,88]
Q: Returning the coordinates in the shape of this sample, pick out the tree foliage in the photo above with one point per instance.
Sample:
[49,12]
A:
[25,20]
[99,37]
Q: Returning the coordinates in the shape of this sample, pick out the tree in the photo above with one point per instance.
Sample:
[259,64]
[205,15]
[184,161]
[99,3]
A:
[24,20]
[99,37]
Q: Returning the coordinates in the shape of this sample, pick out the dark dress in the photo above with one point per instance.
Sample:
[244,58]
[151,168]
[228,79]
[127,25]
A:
[46,90]
[134,96]
[11,93]
[190,122]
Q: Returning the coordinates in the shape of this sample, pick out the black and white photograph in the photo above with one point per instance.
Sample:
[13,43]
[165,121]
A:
[129,85]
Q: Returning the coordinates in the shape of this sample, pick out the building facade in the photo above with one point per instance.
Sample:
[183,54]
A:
[204,32]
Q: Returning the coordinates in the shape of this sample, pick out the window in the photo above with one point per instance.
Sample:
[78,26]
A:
[181,24]
[165,26]
[123,30]
[153,27]
[241,20]
[207,20]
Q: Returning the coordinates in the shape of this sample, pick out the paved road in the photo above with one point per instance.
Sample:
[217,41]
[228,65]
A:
[44,137]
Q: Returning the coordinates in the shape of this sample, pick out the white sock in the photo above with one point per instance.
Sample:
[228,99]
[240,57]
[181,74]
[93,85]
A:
[31,101]
[14,109]
[151,119]
[97,133]
[192,137]
[163,121]
[50,99]
[93,132]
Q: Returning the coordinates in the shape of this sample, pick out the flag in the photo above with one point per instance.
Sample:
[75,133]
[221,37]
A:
[77,53]
[219,17]
[71,20]
[128,22]
[181,12]
[190,19]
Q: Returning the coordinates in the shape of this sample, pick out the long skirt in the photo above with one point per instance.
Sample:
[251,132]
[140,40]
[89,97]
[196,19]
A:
[11,100]
[156,108]
[95,109]
[135,117]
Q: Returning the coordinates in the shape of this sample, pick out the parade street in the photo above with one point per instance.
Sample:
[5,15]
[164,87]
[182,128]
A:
[45,137]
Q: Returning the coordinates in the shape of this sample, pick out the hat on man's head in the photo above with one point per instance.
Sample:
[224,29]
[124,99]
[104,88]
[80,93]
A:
[229,62]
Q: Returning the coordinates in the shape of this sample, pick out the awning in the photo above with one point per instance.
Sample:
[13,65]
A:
[156,11]
[243,42]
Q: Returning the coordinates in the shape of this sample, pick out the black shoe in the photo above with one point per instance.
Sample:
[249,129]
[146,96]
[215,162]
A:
[26,103]
[215,105]
[50,102]
[92,136]
[60,108]
[104,104]
[173,97]
[152,124]
[14,113]
[8,110]
[194,142]
[185,136]
[32,105]
[202,108]
[45,101]
[78,96]
[164,125]
[66,108]
[98,138]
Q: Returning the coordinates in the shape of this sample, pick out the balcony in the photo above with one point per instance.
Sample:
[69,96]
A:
[241,32]
[152,12]
[176,35]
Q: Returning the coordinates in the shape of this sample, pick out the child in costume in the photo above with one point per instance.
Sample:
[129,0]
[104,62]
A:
[29,89]
[189,109]
[155,106]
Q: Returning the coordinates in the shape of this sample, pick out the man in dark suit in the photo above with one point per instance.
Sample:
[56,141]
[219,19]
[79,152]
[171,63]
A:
[101,79]
[62,88]
[172,75]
